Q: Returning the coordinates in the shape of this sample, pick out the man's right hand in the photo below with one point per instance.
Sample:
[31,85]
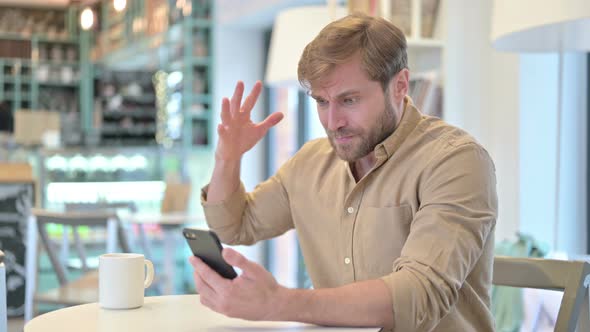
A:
[237,132]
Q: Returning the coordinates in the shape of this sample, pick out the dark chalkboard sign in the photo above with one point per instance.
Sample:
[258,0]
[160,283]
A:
[16,200]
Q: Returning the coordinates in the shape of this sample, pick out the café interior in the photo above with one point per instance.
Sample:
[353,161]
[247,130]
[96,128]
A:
[109,110]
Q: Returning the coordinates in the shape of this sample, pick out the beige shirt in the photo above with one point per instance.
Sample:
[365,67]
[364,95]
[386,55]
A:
[422,219]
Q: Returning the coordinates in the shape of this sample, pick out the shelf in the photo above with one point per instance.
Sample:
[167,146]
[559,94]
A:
[21,79]
[117,21]
[200,23]
[179,65]
[173,49]
[69,41]
[129,143]
[118,130]
[14,61]
[132,113]
[204,115]
[59,84]
[9,95]
[21,74]
[200,99]
[57,63]
[41,38]
[138,51]
[425,43]
[201,61]
[142,99]
[176,65]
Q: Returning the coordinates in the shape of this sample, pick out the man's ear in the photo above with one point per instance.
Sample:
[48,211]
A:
[400,85]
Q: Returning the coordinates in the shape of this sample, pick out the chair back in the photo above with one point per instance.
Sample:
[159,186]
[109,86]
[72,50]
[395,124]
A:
[101,206]
[107,207]
[85,288]
[571,277]
[95,219]
[176,197]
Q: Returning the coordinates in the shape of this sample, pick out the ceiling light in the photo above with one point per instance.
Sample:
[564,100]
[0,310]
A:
[87,18]
[119,5]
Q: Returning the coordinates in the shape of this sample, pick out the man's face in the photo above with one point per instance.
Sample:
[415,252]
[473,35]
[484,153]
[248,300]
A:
[355,112]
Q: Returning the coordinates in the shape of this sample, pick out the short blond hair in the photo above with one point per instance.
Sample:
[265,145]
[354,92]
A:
[381,45]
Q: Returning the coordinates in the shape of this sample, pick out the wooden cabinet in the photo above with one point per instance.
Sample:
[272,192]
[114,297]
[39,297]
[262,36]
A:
[39,60]
[177,50]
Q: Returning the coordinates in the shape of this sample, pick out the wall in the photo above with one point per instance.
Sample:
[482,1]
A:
[508,102]
[539,86]
[239,55]
[482,98]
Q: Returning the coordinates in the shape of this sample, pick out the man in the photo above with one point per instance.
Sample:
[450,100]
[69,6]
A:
[395,210]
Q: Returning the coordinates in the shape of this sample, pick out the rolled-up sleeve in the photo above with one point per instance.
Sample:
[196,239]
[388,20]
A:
[246,218]
[457,213]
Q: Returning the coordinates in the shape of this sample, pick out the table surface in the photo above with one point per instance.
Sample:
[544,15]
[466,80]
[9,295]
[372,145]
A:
[162,313]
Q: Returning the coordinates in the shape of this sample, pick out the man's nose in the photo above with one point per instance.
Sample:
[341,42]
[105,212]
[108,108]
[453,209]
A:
[336,118]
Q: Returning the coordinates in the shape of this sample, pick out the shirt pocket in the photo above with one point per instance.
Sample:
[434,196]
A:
[380,234]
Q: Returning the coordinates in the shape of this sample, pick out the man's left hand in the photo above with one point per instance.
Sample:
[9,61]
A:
[253,295]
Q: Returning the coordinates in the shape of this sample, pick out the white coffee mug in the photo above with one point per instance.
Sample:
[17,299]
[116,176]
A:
[122,279]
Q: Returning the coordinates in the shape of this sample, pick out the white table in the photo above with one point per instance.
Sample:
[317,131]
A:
[171,224]
[177,313]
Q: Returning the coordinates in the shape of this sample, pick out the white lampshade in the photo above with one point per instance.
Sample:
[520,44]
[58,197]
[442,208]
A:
[293,29]
[541,25]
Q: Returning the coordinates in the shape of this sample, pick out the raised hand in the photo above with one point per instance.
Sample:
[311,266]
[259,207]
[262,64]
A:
[237,132]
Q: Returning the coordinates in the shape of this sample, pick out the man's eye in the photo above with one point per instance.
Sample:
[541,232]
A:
[321,102]
[349,101]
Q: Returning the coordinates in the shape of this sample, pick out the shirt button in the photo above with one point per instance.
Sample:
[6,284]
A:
[346,260]
[350,209]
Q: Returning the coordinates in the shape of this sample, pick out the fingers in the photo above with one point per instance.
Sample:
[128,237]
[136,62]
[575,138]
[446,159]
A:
[201,285]
[236,259]
[225,111]
[252,98]
[221,130]
[270,121]
[208,303]
[230,108]
[208,275]
[207,295]
[236,99]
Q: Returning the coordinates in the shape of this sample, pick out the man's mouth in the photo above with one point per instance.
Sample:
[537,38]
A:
[343,139]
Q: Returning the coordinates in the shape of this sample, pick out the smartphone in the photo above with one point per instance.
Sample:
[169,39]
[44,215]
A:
[206,245]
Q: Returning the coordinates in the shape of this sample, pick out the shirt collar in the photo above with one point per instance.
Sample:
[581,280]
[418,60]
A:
[410,118]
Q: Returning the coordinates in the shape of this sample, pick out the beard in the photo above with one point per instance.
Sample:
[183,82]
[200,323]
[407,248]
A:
[364,142]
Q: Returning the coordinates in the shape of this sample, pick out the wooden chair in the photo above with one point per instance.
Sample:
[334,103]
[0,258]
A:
[96,207]
[571,277]
[70,292]
[3,322]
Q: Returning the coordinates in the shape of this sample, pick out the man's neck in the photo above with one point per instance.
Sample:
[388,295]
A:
[361,167]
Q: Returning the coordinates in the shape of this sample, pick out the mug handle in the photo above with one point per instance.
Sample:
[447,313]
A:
[149,273]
